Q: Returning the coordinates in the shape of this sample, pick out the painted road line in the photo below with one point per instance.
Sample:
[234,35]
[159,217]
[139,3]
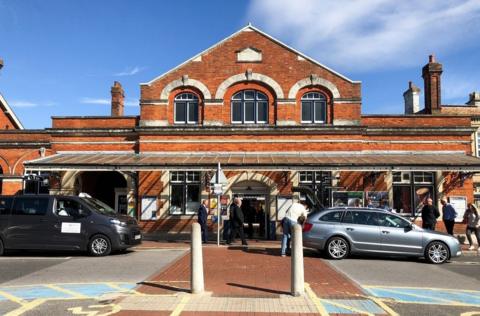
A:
[410,297]
[13,298]
[418,287]
[385,307]
[123,290]
[93,312]
[342,305]
[318,304]
[179,308]
[66,291]
[25,308]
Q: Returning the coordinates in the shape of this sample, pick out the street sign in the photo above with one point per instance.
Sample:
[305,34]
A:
[218,188]
[221,179]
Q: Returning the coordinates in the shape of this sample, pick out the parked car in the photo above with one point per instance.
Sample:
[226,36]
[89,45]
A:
[53,222]
[342,231]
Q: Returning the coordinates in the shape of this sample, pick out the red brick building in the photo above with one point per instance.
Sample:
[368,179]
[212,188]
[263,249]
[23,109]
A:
[273,117]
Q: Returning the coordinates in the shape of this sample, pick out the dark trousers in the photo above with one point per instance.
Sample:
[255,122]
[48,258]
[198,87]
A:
[430,226]
[204,229]
[449,225]
[469,232]
[237,229]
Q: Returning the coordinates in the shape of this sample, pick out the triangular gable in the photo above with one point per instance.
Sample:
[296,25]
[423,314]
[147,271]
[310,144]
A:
[249,27]
[8,112]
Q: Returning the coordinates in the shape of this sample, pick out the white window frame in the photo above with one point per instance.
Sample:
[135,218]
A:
[255,101]
[187,102]
[313,101]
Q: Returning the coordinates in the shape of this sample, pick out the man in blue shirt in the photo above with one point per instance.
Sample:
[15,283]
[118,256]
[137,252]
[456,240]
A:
[449,215]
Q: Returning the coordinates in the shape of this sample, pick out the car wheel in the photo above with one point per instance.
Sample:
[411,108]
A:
[2,249]
[437,252]
[99,246]
[337,248]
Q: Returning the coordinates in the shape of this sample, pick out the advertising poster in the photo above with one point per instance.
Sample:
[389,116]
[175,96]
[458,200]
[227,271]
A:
[347,198]
[459,203]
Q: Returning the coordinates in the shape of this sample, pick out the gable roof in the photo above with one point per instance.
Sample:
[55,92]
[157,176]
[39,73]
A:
[251,28]
[9,112]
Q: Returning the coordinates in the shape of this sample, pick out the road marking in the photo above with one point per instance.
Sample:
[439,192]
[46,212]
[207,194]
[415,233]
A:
[13,298]
[385,307]
[450,302]
[318,304]
[66,291]
[349,308]
[471,313]
[79,310]
[26,307]
[419,288]
[122,289]
[179,308]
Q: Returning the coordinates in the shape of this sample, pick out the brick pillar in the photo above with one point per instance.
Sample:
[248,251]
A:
[431,74]
[118,98]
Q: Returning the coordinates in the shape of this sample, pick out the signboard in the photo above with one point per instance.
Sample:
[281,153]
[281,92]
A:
[347,198]
[459,203]
[283,204]
[149,208]
[71,228]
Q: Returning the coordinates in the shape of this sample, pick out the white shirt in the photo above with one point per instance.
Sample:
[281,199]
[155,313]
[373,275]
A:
[295,211]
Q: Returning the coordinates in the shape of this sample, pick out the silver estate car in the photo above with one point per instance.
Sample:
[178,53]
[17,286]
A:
[341,231]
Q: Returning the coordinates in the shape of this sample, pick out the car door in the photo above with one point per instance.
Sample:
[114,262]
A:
[30,223]
[5,213]
[398,235]
[70,224]
[361,227]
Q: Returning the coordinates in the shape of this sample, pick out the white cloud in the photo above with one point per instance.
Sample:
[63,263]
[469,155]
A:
[129,71]
[456,87]
[132,102]
[370,34]
[95,101]
[30,104]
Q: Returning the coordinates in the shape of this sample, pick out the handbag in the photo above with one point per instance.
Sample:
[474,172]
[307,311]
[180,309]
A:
[301,219]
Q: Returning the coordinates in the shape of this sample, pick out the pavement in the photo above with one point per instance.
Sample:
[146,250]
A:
[238,281]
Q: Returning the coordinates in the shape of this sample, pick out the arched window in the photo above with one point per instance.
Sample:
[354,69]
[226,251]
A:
[314,108]
[249,106]
[186,108]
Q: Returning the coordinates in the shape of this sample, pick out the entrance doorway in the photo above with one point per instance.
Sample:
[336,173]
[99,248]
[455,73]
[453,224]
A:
[109,187]
[255,207]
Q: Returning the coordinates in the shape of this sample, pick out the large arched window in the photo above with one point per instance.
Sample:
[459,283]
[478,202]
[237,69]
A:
[314,108]
[186,108]
[249,106]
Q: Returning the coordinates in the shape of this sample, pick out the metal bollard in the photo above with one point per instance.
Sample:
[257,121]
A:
[298,281]
[196,265]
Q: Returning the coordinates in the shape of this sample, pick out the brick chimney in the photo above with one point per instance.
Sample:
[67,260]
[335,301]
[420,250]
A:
[431,74]
[474,98]
[412,99]
[118,98]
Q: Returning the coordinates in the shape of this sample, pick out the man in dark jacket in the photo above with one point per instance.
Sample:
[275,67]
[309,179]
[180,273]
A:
[449,215]
[237,220]
[429,215]
[202,220]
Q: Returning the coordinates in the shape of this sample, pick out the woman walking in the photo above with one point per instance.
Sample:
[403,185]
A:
[473,226]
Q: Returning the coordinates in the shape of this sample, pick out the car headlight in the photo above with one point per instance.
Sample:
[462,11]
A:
[117,222]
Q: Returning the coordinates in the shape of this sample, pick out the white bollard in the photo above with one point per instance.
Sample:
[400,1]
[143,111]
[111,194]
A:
[298,281]
[196,264]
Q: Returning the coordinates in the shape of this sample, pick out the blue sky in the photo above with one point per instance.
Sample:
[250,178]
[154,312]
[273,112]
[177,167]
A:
[61,57]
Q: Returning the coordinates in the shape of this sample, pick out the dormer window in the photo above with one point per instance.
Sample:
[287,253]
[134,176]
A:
[249,107]
[186,108]
[314,108]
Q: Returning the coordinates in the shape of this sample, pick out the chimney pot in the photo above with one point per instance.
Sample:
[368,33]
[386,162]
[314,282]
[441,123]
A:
[431,74]
[412,99]
[431,58]
[118,99]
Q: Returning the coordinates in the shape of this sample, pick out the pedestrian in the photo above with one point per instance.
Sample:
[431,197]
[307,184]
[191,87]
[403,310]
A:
[202,220]
[472,219]
[296,212]
[429,215]
[449,215]
[237,220]
[370,204]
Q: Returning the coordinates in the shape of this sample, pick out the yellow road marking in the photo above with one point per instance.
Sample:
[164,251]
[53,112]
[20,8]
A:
[419,288]
[424,297]
[179,308]
[26,307]
[384,306]
[350,308]
[13,298]
[318,304]
[115,286]
[79,310]
[471,313]
[69,292]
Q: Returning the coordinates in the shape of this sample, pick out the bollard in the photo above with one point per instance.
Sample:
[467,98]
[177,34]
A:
[196,264]
[298,282]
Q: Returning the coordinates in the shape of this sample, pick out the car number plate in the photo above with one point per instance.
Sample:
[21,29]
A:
[138,237]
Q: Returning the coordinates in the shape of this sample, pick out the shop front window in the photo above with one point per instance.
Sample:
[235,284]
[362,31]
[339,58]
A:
[410,191]
[184,192]
[319,181]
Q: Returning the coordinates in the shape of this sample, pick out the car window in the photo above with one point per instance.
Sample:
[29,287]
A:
[388,220]
[30,206]
[67,207]
[5,205]
[335,216]
[361,218]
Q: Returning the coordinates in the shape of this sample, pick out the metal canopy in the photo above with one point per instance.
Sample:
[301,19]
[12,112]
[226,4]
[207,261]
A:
[421,161]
